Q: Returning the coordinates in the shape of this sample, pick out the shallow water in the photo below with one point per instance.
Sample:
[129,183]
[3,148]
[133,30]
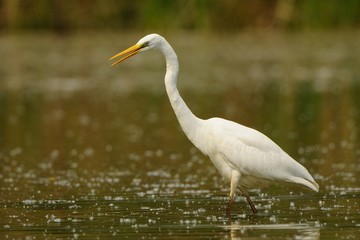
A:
[92,151]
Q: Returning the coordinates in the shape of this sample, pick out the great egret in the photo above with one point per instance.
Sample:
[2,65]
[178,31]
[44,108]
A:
[244,157]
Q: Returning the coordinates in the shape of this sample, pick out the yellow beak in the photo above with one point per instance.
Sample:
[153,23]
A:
[131,51]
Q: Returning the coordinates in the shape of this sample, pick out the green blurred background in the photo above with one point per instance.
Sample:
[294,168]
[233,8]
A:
[93,151]
[211,15]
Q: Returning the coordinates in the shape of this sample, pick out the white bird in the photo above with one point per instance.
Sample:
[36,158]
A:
[244,157]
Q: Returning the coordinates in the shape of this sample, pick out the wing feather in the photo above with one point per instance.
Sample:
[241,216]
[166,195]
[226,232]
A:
[248,136]
[255,155]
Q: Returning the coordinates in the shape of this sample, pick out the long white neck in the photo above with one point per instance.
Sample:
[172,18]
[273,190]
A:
[188,121]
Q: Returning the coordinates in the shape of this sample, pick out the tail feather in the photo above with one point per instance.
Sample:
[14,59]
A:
[299,174]
[310,184]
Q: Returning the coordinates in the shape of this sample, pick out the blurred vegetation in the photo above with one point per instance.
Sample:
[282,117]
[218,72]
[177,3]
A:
[226,15]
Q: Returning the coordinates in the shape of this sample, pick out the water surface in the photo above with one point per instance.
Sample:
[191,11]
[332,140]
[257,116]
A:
[92,151]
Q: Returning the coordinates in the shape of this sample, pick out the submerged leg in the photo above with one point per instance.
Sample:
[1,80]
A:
[235,176]
[246,195]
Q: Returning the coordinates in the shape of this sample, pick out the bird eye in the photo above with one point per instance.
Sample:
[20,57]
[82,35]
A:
[145,44]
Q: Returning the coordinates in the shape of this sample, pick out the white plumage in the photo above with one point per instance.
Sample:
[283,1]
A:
[244,157]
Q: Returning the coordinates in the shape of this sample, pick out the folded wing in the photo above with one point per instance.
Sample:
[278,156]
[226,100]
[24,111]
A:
[255,155]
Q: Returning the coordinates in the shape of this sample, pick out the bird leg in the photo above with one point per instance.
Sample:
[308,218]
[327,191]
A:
[251,204]
[246,195]
[228,207]
[235,176]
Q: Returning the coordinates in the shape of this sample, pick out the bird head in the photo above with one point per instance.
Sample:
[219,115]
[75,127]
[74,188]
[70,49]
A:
[149,41]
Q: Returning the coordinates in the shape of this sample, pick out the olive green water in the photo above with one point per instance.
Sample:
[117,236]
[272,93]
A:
[89,151]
